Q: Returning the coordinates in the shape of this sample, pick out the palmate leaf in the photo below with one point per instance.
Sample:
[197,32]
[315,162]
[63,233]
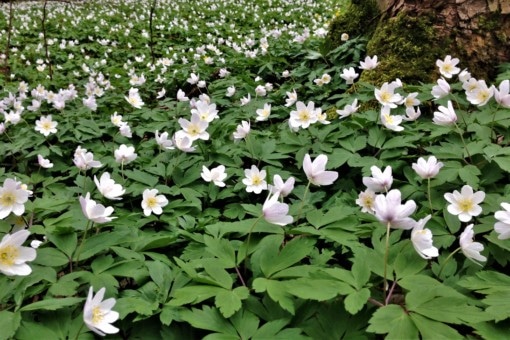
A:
[9,323]
[355,301]
[394,321]
[277,292]
[52,304]
[434,330]
[208,318]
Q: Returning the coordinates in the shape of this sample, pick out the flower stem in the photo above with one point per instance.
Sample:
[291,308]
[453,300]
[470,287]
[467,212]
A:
[303,201]
[249,238]
[386,253]
[78,251]
[463,142]
[428,194]
[447,259]
[79,331]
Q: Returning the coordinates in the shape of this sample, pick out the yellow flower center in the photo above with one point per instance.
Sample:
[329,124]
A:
[389,119]
[193,130]
[8,255]
[46,125]
[256,180]
[447,68]
[304,115]
[385,96]
[368,201]
[265,113]
[97,315]
[152,202]
[7,199]
[465,204]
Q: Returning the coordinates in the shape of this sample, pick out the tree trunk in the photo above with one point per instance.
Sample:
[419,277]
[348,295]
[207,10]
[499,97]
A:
[475,31]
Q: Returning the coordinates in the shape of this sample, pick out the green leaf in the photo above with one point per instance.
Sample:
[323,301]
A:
[208,318]
[316,289]
[193,294]
[394,321]
[277,292]
[34,330]
[470,175]
[229,301]
[127,305]
[274,260]
[161,274]
[450,310]
[52,304]
[142,177]
[498,305]
[50,257]
[214,269]
[9,323]
[452,221]
[222,249]
[503,163]
[408,262]
[355,301]
[245,323]
[64,242]
[430,329]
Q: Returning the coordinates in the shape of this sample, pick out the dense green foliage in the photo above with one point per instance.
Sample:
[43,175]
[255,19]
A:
[211,266]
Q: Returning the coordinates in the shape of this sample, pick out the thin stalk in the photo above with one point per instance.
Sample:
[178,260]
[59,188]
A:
[463,142]
[83,240]
[303,201]
[447,259]
[151,43]
[428,194]
[248,240]
[388,298]
[386,254]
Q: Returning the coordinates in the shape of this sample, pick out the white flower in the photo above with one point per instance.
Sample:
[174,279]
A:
[108,188]
[286,74]
[445,115]
[46,125]
[153,203]
[427,168]
[344,37]
[422,240]
[284,188]
[465,203]
[116,119]
[275,212]
[161,93]
[291,98]
[389,210]
[503,226]
[97,213]
[502,94]
[89,102]
[326,78]
[410,100]
[263,114]
[125,130]
[231,90]
[207,112]
[386,95]
[261,91]
[193,79]
[182,141]
[245,100]
[447,67]
[470,248]
[255,180]
[12,198]
[195,128]
[412,114]
[380,181]
[303,116]
[242,130]
[441,89]
[134,98]
[369,63]
[43,162]
[181,96]
[464,75]
[98,314]
[216,175]
[85,160]
[125,154]
[36,244]
[316,171]
[481,95]
[366,201]
[348,109]
[13,255]
[349,75]
[391,122]
[163,141]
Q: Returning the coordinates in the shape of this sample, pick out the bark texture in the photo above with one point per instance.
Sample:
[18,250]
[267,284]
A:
[476,31]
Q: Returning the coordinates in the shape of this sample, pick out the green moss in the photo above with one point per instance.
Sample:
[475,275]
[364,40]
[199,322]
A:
[490,21]
[358,18]
[407,48]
